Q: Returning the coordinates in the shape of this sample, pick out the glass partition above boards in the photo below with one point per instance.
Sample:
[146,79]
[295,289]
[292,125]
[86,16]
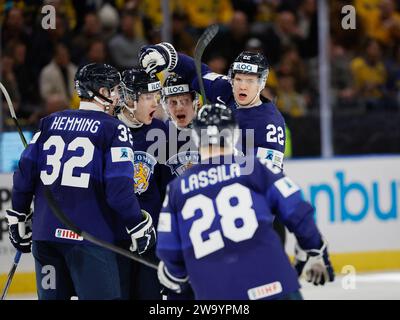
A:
[11,148]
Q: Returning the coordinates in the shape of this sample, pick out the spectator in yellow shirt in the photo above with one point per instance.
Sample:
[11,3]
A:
[382,22]
[369,73]
[203,13]
[289,101]
[152,10]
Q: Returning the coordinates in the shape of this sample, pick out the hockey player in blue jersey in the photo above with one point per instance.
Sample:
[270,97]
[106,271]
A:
[180,102]
[141,95]
[240,90]
[215,229]
[262,125]
[85,157]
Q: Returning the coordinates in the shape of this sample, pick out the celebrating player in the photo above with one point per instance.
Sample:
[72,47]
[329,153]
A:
[215,229]
[85,157]
[240,90]
[262,125]
[140,99]
[180,102]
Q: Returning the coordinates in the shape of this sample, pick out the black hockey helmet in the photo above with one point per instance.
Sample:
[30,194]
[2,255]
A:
[134,83]
[215,125]
[175,85]
[138,81]
[91,77]
[250,63]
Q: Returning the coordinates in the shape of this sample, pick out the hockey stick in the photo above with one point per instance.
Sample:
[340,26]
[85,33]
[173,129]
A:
[201,45]
[17,257]
[11,275]
[87,236]
[13,116]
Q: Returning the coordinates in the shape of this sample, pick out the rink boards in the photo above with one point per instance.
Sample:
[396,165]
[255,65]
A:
[357,210]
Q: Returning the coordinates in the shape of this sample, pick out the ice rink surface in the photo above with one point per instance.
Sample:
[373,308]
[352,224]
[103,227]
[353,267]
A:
[366,286]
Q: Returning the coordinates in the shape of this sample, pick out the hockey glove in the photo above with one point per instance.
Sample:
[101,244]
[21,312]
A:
[143,235]
[171,283]
[157,58]
[315,264]
[20,230]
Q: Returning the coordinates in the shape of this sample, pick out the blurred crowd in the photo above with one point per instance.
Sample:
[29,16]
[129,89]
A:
[38,65]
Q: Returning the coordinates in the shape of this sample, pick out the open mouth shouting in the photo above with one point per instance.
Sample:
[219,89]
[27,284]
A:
[242,96]
[151,115]
[181,117]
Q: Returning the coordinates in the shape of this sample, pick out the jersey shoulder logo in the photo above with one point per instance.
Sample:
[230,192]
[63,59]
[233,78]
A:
[182,161]
[144,167]
[219,99]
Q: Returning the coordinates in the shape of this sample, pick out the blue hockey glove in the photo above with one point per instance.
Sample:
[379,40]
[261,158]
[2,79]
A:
[143,235]
[157,58]
[315,264]
[171,283]
[20,230]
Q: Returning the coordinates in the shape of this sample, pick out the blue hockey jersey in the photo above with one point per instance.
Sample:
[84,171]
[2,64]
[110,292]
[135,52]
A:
[216,228]
[265,124]
[182,152]
[85,157]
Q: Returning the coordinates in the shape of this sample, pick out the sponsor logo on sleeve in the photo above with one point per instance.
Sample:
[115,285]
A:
[121,154]
[275,156]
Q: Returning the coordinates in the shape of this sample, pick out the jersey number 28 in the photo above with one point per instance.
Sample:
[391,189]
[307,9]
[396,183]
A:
[238,220]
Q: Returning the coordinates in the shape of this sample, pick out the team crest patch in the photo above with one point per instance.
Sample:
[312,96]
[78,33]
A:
[182,161]
[144,167]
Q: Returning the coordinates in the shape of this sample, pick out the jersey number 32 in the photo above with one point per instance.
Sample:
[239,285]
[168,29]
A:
[54,160]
